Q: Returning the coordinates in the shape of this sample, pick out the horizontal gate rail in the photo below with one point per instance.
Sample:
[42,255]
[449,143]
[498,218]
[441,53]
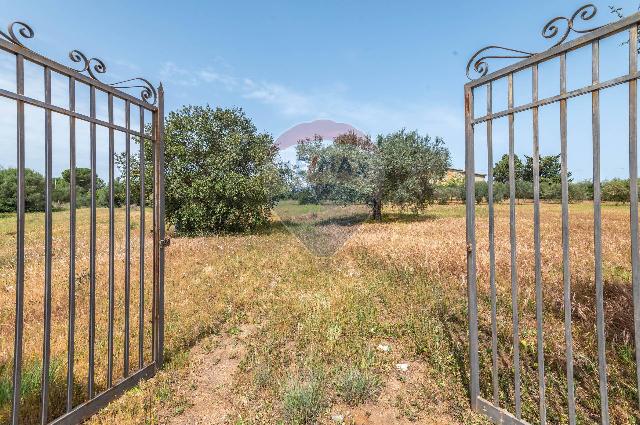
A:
[151,100]
[558,98]
[103,399]
[559,28]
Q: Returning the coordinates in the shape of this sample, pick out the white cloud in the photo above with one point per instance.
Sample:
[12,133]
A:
[332,102]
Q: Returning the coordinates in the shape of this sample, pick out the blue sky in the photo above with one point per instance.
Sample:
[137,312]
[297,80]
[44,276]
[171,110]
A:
[378,65]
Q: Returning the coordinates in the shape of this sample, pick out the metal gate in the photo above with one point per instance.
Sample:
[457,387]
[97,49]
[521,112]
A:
[558,29]
[150,134]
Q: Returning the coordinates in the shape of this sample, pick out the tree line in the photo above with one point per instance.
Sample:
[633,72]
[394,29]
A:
[223,175]
[35,190]
[614,190]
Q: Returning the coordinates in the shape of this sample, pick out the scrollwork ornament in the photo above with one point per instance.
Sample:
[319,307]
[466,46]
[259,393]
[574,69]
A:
[479,64]
[479,61]
[95,66]
[91,66]
[24,30]
[585,13]
[148,92]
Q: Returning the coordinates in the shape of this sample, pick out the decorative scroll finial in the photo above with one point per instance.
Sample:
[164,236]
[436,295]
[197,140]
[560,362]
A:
[88,65]
[91,66]
[585,13]
[24,30]
[478,61]
[94,66]
[148,92]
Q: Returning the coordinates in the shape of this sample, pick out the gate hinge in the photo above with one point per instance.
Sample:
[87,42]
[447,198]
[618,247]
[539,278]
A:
[165,242]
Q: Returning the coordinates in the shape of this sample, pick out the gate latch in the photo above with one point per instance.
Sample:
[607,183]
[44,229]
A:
[165,242]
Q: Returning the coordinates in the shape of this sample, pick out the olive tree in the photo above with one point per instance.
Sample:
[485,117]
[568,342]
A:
[402,168]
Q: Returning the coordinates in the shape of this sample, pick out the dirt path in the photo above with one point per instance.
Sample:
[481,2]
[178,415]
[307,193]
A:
[394,405]
[213,364]
[215,361]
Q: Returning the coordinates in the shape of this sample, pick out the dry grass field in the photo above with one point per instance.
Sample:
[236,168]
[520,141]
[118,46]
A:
[33,304]
[310,326]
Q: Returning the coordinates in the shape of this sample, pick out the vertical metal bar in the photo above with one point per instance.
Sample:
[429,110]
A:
[141,265]
[92,246]
[514,270]
[72,244]
[474,381]
[492,255]
[566,271]
[20,210]
[127,252]
[536,243]
[156,241]
[48,217]
[597,233]
[633,192]
[160,223]
[111,248]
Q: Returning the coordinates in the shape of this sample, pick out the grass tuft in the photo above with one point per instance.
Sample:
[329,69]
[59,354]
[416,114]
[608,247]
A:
[303,401]
[356,387]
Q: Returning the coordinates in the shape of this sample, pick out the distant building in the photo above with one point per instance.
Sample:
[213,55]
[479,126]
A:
[456,174]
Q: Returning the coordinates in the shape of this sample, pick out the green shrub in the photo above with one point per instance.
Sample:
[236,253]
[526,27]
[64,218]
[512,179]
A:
[34,186]
[221,173]
[615,190]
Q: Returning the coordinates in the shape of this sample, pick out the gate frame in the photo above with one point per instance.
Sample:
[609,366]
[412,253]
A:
[11,42]
[478,64]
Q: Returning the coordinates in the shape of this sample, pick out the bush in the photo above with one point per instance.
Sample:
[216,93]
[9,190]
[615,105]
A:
[524,189]
[580,191]
[221,174]
[616,190]
[448,192]
[119,194]
[34,186]
[307,196]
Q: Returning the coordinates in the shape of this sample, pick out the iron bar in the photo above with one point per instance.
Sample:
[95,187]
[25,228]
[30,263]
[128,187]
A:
[111,248]
[72,245]
[553,99]
[156,240]
[63,111]
[633,189]
[48,217]
[20,224]
[514,270]
[536,244]
[127,248]
[160,230]
[597,234]
[492,255]
[566,271]
[92,245]
[474,381]
[141,265]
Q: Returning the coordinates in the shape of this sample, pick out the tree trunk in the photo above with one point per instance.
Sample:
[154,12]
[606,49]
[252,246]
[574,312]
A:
[377,210]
